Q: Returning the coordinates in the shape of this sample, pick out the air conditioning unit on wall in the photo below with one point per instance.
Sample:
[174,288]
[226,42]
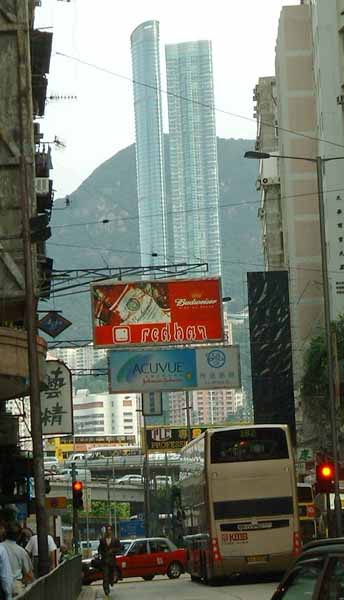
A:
[42,185]
[270,181]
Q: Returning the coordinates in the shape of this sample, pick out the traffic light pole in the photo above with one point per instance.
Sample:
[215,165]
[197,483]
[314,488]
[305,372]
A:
[75,515]
[330,363]
[328,516]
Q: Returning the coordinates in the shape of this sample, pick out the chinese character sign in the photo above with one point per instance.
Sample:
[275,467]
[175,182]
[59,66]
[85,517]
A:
[149,313]
[56,400]
[169,438]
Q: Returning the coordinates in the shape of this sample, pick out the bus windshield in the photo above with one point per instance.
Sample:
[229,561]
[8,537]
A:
[244,445]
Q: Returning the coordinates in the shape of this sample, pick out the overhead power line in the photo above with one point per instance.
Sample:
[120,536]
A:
[190,210]
[193,101]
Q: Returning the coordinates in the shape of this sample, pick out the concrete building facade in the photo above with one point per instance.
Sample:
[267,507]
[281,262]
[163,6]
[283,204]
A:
[106,414]
[327,20]
[297,133]
[268,182]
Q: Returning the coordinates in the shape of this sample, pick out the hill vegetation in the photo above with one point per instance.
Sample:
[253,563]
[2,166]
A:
[81,240]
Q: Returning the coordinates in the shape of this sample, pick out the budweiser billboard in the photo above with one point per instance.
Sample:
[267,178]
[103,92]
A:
[145,313]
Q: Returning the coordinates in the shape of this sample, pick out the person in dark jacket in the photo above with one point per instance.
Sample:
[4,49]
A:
[109,546]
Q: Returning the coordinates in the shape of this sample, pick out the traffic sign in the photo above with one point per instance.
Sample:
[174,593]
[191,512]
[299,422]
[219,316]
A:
[304,455]
[131,528]
[53,324]
[54,502]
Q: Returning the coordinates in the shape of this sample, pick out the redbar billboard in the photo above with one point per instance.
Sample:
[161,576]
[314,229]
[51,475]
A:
[145,313]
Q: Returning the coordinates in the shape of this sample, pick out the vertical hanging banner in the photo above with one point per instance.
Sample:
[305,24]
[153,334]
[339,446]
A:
[56,400]
[149,313]
[271,348]
[152,404]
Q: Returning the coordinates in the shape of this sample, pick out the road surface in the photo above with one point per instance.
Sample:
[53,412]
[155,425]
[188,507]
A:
[162,588]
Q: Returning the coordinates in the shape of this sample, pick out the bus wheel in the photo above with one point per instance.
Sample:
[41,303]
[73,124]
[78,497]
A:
[204,574]
[174,570]
[148,577]
[195,578]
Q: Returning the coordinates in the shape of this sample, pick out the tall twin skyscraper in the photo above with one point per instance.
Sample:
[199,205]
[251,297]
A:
[192,204]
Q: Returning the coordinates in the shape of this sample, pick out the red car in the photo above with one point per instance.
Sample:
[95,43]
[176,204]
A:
[144,557]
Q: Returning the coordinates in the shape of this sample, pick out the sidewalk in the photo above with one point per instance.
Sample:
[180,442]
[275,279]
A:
[89,593]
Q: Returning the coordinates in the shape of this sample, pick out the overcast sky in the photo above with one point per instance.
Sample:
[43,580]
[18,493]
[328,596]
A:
[100,122]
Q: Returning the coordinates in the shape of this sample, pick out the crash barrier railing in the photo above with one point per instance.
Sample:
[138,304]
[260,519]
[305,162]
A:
[63,583]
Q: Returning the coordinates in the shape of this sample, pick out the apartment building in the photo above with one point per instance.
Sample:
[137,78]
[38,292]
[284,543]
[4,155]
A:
[193,154]
[106,414]
[80,359]
[287,126]
[151,193]
[207,406]
[327,21]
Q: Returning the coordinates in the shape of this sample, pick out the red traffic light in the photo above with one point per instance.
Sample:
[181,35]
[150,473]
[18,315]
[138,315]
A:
[77,486]
[326,471]
[325,478]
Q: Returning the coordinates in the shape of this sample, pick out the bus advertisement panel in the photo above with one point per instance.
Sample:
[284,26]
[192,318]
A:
[242,481]
[146,313]
[173,369]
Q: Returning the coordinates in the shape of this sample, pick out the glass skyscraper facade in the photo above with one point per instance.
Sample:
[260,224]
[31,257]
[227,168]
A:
[193,154]
[149,143]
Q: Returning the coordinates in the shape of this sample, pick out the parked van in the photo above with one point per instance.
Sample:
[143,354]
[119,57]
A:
[307,512]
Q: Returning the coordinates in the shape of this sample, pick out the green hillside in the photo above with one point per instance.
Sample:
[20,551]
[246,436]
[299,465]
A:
[79,239]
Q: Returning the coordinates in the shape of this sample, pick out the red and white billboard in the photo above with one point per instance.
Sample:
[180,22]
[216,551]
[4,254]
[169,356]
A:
[145,313]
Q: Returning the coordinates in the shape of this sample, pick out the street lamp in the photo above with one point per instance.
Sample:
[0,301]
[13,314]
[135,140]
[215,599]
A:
[319,162]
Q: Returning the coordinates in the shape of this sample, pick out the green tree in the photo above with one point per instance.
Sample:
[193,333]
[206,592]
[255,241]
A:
[314,384]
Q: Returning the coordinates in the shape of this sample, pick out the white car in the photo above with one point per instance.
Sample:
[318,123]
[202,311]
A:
[51,463]
[130,480]
[162,480]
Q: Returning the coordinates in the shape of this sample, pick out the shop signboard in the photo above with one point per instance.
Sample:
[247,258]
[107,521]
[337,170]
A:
[56,400]
[168,438]
[159,312]
[173,369]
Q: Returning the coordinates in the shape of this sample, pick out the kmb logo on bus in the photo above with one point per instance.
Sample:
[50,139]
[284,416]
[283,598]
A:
[234,538]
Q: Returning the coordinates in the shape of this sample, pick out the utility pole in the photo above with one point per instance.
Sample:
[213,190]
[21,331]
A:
[75,514]
[330,362]
[109,501]
[27,197]
[146,481]
[188,418]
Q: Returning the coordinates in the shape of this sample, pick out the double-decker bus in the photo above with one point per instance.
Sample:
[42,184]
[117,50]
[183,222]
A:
[239,501]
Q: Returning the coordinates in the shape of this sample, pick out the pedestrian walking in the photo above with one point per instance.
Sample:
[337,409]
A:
[6,578]
[21,566]
[32,548]
[24,536]
[109,546]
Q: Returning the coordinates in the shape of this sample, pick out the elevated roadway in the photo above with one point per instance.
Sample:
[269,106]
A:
[99,491]
[127,465]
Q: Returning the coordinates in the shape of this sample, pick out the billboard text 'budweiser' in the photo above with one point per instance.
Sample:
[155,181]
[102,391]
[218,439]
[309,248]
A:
[157,312]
